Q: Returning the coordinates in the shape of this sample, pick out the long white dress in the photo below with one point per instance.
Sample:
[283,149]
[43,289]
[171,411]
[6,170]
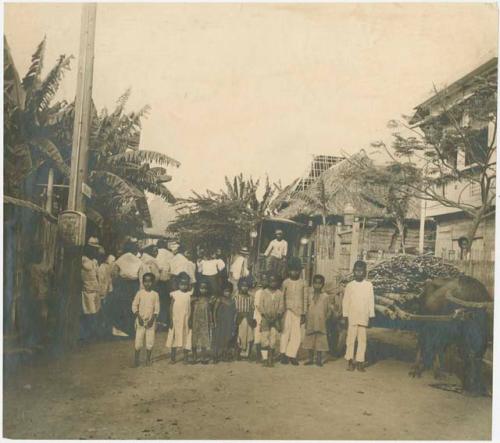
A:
[179,336]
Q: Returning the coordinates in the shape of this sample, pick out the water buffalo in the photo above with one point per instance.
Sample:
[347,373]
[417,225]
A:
[453,311]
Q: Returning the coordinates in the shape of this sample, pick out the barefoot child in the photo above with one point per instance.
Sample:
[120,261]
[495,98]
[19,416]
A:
[358,306]
[318,311]
[201,322]
[146,308]
[294,296]
[225,317]
[244,318]
[179,334]
[257,316]
[271,307]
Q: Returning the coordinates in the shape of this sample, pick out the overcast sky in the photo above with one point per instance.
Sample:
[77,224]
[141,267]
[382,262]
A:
[259,88]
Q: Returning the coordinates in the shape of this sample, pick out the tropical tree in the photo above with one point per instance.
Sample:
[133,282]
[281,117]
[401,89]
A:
[38,133]
[29,121]
[225,218]
[120,173]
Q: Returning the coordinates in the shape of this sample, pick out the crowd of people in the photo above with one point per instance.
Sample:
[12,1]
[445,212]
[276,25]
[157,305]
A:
[216,312]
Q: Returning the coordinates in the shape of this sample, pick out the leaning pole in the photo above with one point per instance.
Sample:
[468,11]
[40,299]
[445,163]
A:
[72,222]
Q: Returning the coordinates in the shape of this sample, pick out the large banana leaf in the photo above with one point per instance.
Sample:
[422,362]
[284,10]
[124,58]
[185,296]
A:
[143,156]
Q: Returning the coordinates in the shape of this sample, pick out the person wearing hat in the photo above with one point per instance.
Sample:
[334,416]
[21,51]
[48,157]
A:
[276,254]
[239,267]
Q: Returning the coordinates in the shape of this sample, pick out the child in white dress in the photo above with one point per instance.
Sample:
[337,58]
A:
[179,334]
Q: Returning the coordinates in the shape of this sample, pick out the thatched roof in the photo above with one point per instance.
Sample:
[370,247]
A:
[343,187]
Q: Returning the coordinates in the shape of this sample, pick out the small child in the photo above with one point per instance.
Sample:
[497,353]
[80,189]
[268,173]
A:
[358,306]
[201,322]
[244,318]
[257,317]
[225,317]
[294,296]
[179,334]
[146,307]
[318,311]
[271,308]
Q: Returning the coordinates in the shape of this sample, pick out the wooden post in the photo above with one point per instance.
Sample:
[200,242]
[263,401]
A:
[421,237]
[71,302]
[50,191]
[354,243]
[337,248]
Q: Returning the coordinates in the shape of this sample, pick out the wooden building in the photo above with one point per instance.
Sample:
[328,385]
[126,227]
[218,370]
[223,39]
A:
[452,223]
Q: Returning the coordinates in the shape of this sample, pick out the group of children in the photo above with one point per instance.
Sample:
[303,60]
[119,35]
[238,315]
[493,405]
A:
[214,326]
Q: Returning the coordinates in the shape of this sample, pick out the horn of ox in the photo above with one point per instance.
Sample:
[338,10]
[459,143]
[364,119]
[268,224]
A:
[467,304]
[404,315]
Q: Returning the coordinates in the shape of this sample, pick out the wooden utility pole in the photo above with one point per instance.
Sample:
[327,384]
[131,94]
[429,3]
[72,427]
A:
[81,128]
[71,300]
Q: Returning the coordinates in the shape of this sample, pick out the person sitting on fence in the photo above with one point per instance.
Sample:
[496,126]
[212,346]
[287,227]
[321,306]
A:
[276,254]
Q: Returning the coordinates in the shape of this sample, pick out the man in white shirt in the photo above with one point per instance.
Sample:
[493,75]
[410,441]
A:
[276,254]
[239,268]
[358,306]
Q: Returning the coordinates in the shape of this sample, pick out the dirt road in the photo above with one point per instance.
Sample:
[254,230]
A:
[95,393]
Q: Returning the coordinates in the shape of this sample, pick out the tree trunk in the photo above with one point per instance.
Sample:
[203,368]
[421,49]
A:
[401,229]
[471,232]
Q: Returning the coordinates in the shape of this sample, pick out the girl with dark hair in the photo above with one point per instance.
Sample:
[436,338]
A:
[201,322]
[225,317]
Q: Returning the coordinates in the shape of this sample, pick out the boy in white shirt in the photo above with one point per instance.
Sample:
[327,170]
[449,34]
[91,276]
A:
[146,307]
[358,306]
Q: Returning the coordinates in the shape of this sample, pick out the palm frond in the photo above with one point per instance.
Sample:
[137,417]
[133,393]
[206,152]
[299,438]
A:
[122,102]
[50,150]
[32,78]
[117,184]
[48,88]
[142,156]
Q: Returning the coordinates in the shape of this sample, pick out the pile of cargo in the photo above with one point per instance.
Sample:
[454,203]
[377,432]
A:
[399,281]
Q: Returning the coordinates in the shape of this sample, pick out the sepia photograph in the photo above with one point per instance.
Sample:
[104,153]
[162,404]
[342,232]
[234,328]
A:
[249,221]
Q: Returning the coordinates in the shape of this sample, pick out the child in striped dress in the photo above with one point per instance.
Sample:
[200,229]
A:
[201,322]
[244,320]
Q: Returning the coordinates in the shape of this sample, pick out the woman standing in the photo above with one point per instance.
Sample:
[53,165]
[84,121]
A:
[125,287]
[211,268]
